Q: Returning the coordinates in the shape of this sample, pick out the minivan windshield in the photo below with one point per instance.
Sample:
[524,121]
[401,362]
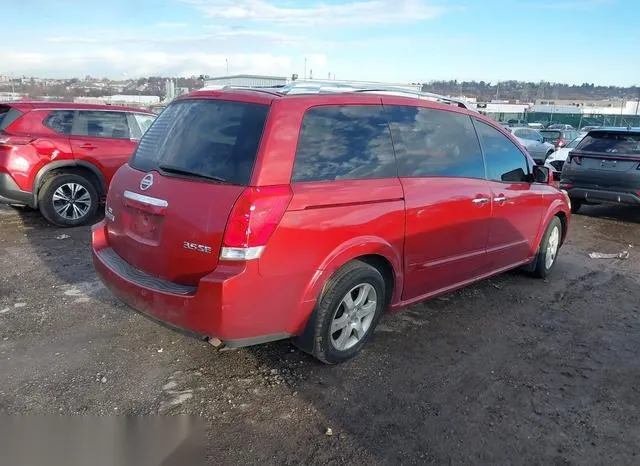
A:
[202,139]
[616,143]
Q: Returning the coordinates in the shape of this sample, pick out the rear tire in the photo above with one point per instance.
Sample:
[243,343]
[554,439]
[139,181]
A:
[348,312]
[68,200]
[548,250]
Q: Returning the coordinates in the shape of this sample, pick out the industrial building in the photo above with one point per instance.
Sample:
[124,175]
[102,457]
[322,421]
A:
[248,80]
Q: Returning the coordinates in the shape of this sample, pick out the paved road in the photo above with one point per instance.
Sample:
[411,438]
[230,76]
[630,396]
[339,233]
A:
[512,370]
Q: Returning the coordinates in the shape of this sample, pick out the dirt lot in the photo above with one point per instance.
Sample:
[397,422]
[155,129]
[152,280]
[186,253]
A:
[513,370]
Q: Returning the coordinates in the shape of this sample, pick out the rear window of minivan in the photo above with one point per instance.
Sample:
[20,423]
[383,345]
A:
[204,139]
[7,116]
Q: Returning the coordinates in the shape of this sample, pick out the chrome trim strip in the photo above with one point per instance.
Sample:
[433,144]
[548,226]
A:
[154,201]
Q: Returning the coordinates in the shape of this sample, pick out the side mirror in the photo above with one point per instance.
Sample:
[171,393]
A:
[542,174]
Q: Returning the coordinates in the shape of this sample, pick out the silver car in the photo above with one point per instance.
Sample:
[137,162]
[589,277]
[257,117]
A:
[533,141]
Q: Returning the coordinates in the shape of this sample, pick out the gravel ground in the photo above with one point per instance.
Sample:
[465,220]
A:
[512,370]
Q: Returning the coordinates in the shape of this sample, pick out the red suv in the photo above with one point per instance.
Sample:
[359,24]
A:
[60,157]
[248,216]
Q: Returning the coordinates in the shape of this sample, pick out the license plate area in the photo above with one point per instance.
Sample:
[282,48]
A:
[143,226]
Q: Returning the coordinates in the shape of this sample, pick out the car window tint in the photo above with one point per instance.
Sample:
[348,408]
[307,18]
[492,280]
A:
[344,143]
[431,142]
[206,138]
[100,124]
[505,162]
[61,121]
[144,121]
[615,143]
[8,115]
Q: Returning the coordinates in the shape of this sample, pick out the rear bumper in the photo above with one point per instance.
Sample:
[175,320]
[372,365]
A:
[224,305]
[603,196]
[10,193]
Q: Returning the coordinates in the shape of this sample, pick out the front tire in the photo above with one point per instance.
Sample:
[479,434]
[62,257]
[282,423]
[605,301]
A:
[348,312]
[68,200]
[548,250]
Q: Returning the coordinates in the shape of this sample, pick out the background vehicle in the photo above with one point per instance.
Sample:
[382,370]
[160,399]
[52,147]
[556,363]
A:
[604,168]
[588,128]
[555,161]
[252,215]
[60,157]
[558,137]
[560,126]
[533,141]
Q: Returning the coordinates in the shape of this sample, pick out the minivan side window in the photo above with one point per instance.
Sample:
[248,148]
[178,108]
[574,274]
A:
[349,142]
[505,162]
[430,142]
[60,121]
[99,124]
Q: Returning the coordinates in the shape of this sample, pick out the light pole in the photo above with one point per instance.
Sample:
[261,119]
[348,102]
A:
[227,63]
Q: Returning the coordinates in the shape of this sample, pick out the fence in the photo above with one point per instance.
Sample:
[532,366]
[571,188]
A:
[578,120]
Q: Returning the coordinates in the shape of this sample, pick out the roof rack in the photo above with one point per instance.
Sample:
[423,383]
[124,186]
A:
[330,87]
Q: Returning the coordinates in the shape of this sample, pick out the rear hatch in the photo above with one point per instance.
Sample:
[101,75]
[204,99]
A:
[551,136]
[168,207]
[608,160]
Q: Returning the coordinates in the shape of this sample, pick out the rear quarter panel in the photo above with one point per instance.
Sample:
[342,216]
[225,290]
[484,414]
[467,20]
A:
[327,225]
[24,163]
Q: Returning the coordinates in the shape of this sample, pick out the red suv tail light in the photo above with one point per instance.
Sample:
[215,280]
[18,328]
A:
[255,216]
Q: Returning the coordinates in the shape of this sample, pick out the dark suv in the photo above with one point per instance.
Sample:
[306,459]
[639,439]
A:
[60,157]
[604,168]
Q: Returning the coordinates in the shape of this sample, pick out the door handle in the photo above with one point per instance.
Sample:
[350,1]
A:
[480,200]
[500,199]
[87,146]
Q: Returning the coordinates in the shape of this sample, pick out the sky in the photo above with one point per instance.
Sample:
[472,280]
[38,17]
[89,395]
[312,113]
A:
[569,41]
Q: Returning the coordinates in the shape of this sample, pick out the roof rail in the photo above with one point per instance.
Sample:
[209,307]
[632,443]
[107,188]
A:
[327,87]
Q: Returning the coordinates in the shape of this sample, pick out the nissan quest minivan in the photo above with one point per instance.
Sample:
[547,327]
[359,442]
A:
[252,215]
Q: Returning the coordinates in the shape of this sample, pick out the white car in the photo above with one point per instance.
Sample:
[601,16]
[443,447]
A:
[533,141]
[556,160]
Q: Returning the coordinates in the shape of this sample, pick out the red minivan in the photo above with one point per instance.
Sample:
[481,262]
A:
[247,216]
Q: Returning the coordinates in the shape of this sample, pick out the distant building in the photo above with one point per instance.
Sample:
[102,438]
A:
[11,96]
[135,100]
[248,80]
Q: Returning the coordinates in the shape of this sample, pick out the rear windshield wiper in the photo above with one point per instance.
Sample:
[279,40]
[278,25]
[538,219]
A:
[182,171]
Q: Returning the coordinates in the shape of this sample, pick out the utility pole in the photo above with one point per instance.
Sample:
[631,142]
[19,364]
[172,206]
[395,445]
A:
[227,62]
[305,68]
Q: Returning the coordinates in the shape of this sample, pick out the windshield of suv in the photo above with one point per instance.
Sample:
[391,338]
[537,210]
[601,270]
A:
[204,139]
[611,143]
[7,116]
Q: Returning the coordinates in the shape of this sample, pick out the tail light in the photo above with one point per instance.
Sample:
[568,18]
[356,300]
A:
[255,216]
[561,142]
